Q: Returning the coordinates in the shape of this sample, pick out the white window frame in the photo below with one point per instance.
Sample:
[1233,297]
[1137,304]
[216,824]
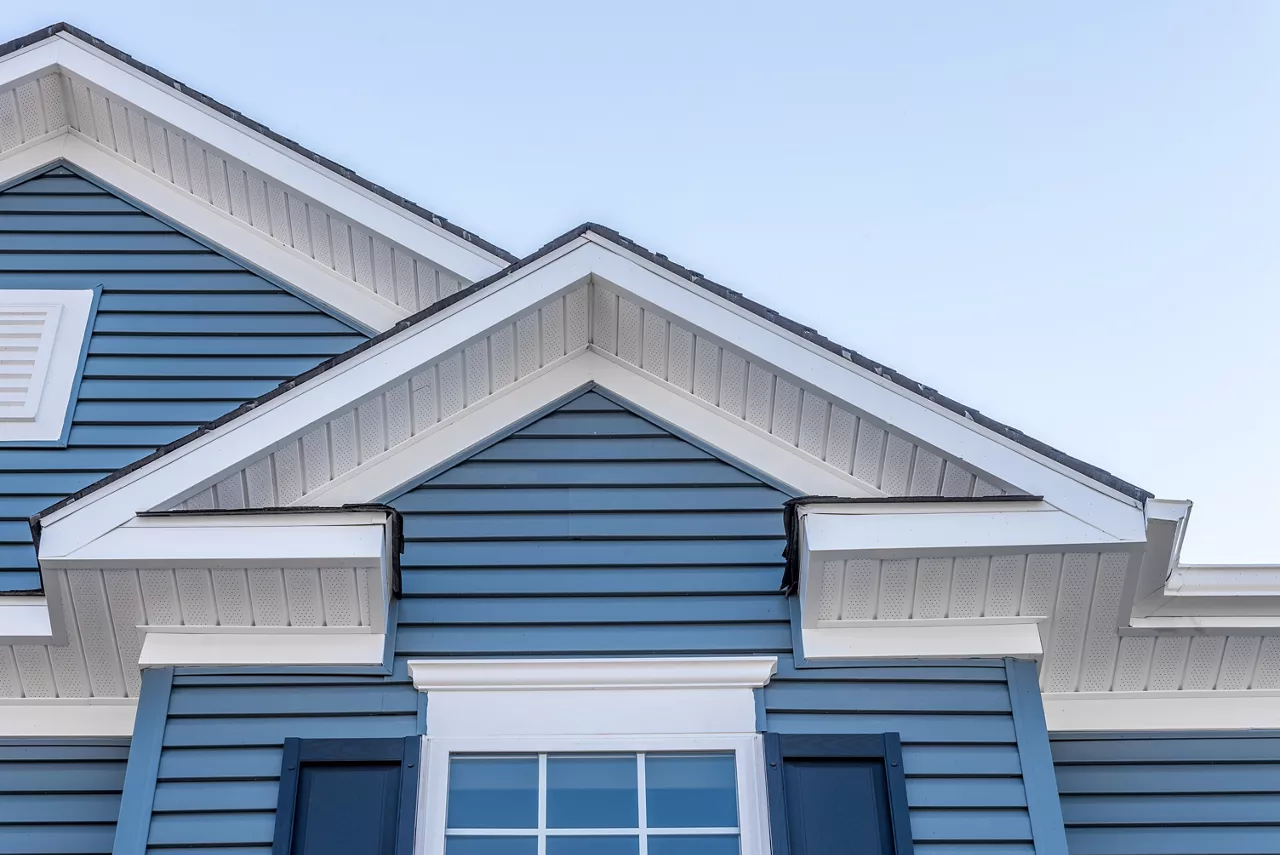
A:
[596,705]
[749,770]
[57,362]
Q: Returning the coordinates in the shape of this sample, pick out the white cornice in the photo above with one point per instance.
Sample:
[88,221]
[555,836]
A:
[506,675]
[66,717]
[1157,711]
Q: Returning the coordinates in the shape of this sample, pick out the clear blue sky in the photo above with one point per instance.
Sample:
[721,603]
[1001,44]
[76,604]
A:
[1066,215]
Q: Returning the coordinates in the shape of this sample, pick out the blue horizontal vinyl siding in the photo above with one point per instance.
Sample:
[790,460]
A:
[594,531]
[1198,793]
[60,797]
[182,335]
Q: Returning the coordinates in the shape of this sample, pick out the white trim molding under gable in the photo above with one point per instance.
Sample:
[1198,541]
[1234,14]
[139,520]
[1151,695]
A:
[321,231]
[42,339]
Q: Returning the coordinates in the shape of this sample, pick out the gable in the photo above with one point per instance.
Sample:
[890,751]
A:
[570,534]
[354,246]
[182,335]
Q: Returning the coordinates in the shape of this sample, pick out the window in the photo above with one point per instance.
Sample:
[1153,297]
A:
[344,796]
[593,757]
[837,794]
[42,338]
[592,804]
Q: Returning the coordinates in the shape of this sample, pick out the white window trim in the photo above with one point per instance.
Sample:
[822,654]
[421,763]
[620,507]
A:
[57,362]
[748,750]
[631,705]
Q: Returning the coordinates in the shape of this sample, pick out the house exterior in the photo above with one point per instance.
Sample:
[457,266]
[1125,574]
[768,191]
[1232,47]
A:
[327,526]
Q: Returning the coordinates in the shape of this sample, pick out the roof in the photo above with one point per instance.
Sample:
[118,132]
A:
[257,127]
[807,333]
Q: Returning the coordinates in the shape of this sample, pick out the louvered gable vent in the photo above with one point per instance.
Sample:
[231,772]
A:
[42,335]
[27,333]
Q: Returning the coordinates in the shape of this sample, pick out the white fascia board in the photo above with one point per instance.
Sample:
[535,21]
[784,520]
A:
[956,638]
[472,675]
[267,156]
[972,445]
[223,541]
[1239,580]
[25,620]
[206,459]
[225,646]
[67,717]
[1161,711]
[833,536]
[452,437]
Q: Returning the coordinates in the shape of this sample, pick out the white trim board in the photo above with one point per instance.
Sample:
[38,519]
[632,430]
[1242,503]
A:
[207,646]
[70,717]
[953,638]
[25,620]
[1162,711]
[591,697]
[198,463]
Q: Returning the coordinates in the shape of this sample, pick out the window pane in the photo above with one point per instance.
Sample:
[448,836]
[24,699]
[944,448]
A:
[493,792]
[491,846]
[679,844]
[592,792]
[691,791]
[592,846]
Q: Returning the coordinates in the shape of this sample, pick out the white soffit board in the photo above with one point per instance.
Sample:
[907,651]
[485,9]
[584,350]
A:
[107,612]
[350,248]
[202,462]
[42,334]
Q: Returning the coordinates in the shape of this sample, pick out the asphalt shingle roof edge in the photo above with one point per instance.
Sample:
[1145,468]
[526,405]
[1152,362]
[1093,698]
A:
[1086,469]
[259,128]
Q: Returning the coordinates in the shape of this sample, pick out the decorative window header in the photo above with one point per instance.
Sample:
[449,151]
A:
[42,336]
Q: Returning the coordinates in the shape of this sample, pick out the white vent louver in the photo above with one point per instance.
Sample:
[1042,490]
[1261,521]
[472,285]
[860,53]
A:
[42,335]
[27,333]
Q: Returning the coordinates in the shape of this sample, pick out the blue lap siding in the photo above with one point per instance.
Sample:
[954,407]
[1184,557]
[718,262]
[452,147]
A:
[594,531]
[182,335]
[60,797]
[1199,793]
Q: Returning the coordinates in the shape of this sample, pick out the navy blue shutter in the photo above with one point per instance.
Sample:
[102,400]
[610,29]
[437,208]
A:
[837,795]
[343,796]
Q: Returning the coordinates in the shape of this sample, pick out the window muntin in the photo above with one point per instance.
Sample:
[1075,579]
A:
[600,803]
